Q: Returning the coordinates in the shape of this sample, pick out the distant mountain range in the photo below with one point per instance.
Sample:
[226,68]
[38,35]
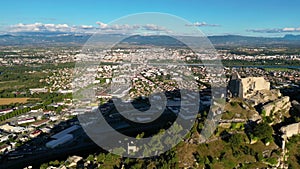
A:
[73,39]
[234,40]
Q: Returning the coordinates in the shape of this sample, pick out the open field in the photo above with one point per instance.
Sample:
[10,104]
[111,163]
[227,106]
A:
[6,101]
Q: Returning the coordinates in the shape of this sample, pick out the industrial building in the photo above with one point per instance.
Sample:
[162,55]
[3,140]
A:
[66,131]
[62,137]
[57,142]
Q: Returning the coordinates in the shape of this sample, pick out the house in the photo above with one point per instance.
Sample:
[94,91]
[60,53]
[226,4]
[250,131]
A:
[27,120]
[40,123]
[5,111]
[38,90]
[9,128]
[35,133]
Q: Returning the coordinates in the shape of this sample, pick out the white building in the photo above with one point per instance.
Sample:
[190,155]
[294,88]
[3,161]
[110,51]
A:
[5,111]
[27,120]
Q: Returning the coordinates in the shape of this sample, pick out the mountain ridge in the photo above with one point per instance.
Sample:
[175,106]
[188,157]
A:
[79,39]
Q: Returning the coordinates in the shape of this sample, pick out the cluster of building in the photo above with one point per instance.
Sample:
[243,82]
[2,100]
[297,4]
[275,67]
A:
[227,55]
[142,72]
[59,79]
[37,56]
[17,131]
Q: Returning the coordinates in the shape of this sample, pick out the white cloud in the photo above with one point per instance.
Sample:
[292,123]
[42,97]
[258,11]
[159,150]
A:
[275,30]
[126,28]
[86,26]
[103,26]
[288,29]
[152,27]
[201,24]
[39,27]
[49,27]
[99,27]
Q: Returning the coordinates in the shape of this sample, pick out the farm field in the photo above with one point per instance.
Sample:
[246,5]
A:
[6,101]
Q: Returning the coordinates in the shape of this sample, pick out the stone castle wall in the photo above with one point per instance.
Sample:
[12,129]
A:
[251,84]
[290,130]
[246,87]
[277,105]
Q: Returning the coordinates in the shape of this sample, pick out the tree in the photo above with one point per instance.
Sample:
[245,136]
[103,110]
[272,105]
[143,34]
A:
[263,131]
[54,163]
[141,135]
[44,166]
[101,158]
[236,139]
[119,150]
[199,158]
[259,156]
[263,112]
[90,157]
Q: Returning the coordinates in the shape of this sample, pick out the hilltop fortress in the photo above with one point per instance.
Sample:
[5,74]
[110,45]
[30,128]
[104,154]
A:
[246,87]
[256,91]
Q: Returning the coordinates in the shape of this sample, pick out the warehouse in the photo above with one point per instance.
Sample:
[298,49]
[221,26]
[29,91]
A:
[57,142]
[66,131]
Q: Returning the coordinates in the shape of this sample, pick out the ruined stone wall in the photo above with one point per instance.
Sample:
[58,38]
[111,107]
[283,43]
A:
[246,87]
[277,105]
[251,84]
[291,129]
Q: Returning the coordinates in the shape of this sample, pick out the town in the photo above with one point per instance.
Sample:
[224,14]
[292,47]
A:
[39,105]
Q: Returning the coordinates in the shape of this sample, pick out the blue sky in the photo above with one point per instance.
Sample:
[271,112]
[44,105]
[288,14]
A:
[254,18]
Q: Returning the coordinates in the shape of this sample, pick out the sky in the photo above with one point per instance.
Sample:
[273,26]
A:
[213,17]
